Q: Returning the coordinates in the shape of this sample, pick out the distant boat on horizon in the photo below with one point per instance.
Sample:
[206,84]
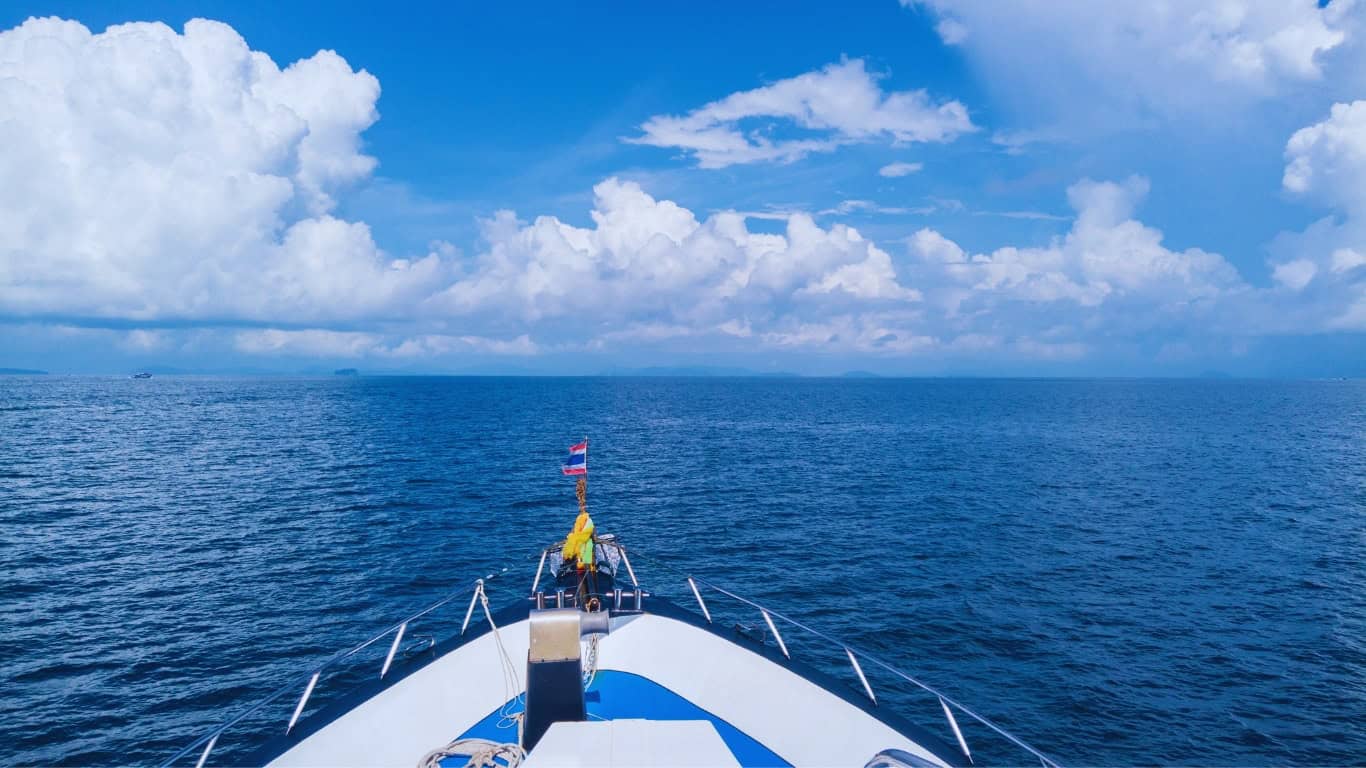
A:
[141,375]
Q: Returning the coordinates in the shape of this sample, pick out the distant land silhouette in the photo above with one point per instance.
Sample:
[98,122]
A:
[21,372]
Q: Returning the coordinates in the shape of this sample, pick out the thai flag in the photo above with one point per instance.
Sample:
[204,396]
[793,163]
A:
[577,463]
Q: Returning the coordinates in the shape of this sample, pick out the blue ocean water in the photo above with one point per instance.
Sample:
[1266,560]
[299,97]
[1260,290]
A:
[1118,571]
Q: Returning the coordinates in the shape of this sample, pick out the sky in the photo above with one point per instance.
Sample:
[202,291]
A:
[924,187]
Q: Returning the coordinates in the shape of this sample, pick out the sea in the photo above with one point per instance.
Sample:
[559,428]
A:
[1116,571]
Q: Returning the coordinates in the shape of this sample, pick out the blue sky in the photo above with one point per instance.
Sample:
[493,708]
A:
[929,187]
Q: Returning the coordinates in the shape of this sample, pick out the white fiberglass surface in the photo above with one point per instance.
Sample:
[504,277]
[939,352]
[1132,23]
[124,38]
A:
[795,718]
[631,743]
[798,720]
[421,712]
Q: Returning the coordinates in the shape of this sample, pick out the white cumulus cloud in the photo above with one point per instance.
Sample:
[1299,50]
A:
[1324,264]
[653,260]
[1109,271]
[1328,159]
[1081,59]
[838,104]
[156,180]
[151,174]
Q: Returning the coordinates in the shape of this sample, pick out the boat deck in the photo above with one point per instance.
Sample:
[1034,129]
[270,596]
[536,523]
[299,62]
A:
[616,695]
[668,687]
[649,667]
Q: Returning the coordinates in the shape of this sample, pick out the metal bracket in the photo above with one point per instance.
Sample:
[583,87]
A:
[781,645]
[956,732]
[299,710]
[539,568]
[629,569]
[398,638]
[861,678]
[207,749]
[698,595]
[478,590]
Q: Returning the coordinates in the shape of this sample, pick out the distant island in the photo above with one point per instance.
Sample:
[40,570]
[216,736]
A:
[21,372]
[346,372]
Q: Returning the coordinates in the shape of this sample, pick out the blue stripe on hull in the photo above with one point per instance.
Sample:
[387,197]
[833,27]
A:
[621,696]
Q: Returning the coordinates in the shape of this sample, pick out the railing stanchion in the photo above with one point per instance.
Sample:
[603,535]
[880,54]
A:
[698,595]
[478,587]
[207,749]
[398,638]
[629,569]
[956,732]
[537,582]
[781,645]
[210,741]
[946,703]
[299,710]
[861,678]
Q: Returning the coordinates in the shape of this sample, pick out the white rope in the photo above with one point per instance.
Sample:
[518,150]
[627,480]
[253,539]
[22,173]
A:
[590,672]
[482,752]
[508,717]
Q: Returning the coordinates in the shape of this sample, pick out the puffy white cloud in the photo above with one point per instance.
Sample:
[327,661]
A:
[897,170]
[650,272]
[1083,60]
[842,102]
[1325,264]
[1328,159]
[162,179]
[1109,270]
[652,259]
[151,175]
[167,179]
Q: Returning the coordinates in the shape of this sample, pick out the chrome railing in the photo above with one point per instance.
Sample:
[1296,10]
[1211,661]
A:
[310,679]
[946,703]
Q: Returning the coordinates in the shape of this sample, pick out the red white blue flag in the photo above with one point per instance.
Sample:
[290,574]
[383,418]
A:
[577,463]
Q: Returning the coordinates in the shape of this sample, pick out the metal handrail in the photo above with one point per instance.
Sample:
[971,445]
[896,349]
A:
[210,739]
[312,676]
[944,700]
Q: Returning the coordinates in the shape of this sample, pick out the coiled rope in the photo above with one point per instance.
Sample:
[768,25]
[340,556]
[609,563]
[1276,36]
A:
[482,754]
[590,672]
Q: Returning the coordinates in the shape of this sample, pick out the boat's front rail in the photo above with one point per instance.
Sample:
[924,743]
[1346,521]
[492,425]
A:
[635,599]
[946,703]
